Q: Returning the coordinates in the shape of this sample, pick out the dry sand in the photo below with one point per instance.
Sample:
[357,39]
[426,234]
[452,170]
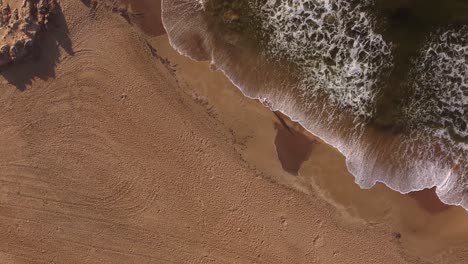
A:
[115,149]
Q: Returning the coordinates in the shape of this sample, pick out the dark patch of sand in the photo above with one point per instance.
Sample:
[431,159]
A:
[292,146]
[429,201]
[146,15]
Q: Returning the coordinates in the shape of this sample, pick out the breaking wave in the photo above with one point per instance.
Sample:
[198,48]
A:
[344,57]
[329,65]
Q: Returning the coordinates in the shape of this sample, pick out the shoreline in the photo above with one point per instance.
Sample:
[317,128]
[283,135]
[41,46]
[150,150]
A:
[411,214]
[117,149]
[425,200]
[431,171]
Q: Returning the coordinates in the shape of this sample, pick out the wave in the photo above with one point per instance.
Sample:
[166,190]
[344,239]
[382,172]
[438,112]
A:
[396,110]
[344,57]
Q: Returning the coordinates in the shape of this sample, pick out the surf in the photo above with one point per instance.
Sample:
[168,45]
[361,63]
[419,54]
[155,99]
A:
[351,72]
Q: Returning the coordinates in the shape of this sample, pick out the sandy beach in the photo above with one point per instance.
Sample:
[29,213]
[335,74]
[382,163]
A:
[117,149]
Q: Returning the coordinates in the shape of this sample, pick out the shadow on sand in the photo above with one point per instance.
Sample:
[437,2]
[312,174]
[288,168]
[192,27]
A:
[45,56]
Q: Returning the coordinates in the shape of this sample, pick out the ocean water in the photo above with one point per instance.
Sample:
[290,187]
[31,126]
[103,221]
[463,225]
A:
[384,81]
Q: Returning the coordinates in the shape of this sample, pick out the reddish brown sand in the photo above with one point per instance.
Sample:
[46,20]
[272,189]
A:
[294,145]
[112,154]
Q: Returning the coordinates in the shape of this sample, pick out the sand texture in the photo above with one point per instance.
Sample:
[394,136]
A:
[116,149]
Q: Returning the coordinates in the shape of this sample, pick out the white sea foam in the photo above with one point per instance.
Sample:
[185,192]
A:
[440,81]
[341,56]
[336,46]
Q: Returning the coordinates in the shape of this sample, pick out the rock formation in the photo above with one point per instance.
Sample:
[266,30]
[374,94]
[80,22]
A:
[20,24]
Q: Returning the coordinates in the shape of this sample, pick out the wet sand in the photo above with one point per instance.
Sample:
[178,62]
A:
[293,147]
[429,200]
[145,156]
[146,14]
[409,219]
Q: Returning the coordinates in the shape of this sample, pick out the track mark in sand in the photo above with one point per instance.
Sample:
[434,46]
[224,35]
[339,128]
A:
[97,172]
[71,134]
[318,241]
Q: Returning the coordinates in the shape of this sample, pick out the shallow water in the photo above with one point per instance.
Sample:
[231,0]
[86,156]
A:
[386,82]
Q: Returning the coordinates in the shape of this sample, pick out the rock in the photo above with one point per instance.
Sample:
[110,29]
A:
[20,27]
[5,57]
[6,14]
